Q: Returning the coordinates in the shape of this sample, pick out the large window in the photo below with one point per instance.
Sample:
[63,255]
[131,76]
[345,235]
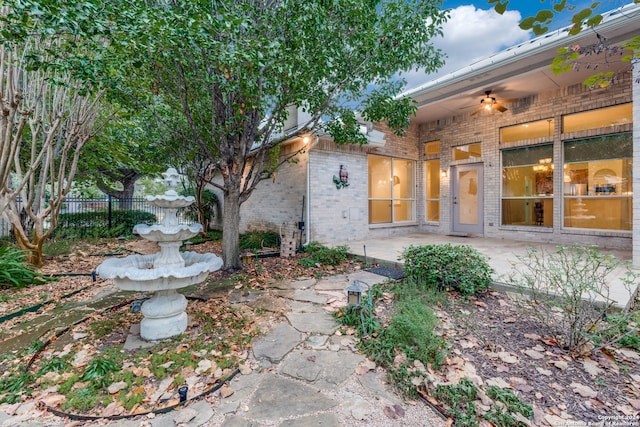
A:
[391,190]
[597,182]
[600,118]
[432,181]
[527,186]
[467,151]
[537,129]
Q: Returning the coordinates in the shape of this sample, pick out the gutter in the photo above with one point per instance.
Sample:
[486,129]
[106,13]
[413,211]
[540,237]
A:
[307,228]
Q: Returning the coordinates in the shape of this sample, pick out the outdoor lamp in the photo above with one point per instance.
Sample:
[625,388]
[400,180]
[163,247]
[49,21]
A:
[182,392]
[121,240]
[354,292]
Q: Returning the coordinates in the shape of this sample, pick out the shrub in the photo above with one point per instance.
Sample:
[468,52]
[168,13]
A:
[96,224]
[411,330]
[209,203]
[569,294]
[15,271]
[447,266]
[259,240]
[320,254]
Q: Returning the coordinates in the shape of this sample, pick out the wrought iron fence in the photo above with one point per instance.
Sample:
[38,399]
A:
[81,214]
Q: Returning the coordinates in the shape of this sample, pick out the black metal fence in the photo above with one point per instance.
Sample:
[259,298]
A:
[83,214]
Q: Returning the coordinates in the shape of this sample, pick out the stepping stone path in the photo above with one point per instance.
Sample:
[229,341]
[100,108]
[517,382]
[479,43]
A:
[301,373]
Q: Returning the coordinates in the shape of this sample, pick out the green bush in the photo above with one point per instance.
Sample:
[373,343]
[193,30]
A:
[96,224]
[209,203]
[320,254]
[259,240]
[411,330]
[445,266]
[15,271]
[568,292]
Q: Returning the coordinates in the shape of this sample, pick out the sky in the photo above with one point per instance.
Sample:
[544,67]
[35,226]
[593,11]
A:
[475,31]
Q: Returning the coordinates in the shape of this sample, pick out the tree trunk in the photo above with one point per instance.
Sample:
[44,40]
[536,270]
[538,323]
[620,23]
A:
[31,247]
[127,178]
[231,231]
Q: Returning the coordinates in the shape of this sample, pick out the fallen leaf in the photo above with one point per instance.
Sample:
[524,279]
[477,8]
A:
[399,410]
[389,412]
[532,336]
[629,354]
[480,304]
[545,372]
[502,368]
[498,382]
[507,357]
[591,366]
[583,390]
[535,355]
[561,364]
[634,402]
[226,391]
[525,388]
[627,410]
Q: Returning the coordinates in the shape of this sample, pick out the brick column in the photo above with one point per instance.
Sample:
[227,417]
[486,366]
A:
[635,81]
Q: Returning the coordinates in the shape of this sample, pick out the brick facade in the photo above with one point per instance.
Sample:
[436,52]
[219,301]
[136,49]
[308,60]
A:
[338,215]
[485,129]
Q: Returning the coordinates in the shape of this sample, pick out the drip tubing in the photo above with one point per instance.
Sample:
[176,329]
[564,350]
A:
[38,306]
[122,417]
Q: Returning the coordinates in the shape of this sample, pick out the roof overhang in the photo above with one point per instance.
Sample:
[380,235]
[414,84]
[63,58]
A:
[520,71]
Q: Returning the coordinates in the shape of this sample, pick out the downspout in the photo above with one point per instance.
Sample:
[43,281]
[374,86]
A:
[307,227]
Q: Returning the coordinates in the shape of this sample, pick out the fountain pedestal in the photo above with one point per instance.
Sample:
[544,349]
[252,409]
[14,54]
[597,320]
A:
[164,315]
[165,312]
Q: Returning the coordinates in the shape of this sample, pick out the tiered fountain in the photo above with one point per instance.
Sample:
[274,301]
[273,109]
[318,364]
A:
[164,272]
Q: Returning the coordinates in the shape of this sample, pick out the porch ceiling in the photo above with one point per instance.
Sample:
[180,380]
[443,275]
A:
[515,73]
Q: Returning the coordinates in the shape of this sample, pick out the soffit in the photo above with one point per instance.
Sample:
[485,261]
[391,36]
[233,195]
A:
[523,73]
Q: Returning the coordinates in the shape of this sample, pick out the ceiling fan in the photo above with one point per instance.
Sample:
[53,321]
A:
[489,103]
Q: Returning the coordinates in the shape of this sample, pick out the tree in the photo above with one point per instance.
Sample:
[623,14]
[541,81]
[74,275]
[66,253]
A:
[569,58]
[233,68]
[127,148]
[49,103]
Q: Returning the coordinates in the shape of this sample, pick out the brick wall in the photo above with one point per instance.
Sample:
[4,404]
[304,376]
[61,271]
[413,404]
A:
[276,203]
[340,215]
[485,129]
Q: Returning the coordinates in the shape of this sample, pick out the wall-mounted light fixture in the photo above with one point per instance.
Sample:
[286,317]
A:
[443,173]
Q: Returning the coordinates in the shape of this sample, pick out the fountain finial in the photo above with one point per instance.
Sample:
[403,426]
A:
[171,178]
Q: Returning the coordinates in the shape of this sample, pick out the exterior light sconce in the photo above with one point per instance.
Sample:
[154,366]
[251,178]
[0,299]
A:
[443,173]
[354,292]
[305,140]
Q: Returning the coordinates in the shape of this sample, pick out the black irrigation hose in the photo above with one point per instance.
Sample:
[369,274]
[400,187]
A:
[62,331]
[39,306]
[156,411]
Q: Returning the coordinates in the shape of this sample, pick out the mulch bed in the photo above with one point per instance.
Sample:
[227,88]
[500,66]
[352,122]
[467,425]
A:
[491,337]
[491,341]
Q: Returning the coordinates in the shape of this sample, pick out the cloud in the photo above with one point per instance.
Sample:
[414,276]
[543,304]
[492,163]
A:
[469,35]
